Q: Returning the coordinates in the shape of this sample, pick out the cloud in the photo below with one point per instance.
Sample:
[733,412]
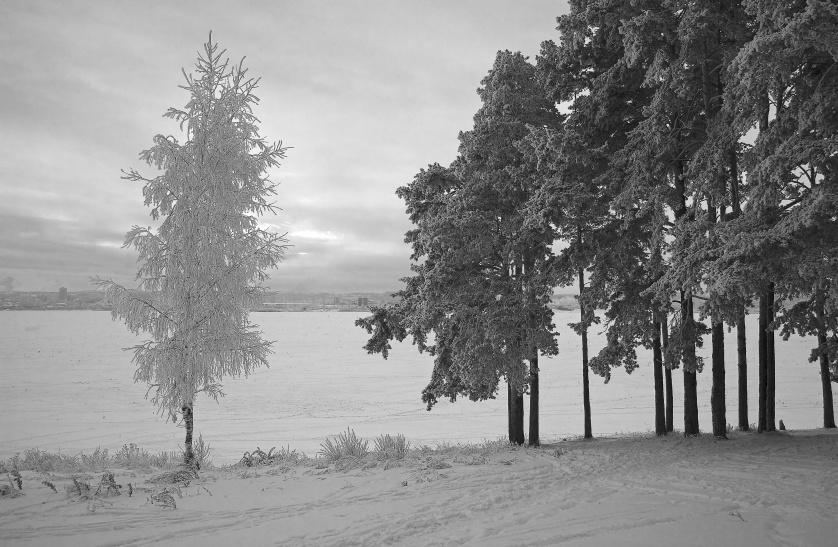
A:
[366,93]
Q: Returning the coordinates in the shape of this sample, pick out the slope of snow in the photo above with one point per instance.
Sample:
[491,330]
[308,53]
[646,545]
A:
[754,490]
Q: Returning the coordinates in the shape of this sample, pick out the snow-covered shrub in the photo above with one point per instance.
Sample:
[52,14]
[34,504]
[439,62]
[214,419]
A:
[345,445]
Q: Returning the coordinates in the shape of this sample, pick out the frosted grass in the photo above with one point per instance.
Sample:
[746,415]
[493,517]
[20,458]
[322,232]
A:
[67,385]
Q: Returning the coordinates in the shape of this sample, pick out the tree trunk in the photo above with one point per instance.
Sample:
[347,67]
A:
[743,372]
[660,411]
[534,440]
[188,453]
[770,419]
[826,383]
[667,376]
[690,377]
[740,322]
[534,324]
[516,415]
[763,360]
[586,394]
[509,399]
[717,391]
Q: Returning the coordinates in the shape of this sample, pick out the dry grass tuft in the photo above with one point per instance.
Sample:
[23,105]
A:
[201,452]
[129,457]
[391,448]
[183,475]
[273,456]
[345,445]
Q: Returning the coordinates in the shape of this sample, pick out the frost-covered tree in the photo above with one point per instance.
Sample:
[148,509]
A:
[482,278]
[202,268]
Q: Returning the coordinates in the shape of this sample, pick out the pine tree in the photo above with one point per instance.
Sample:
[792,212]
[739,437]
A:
[202,267]
[655,160]
[481,282]
[783,244]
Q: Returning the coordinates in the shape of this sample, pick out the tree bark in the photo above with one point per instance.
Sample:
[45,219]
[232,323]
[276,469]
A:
[718,407]
[826,385]
[770,419]
[586,394]
[740,322]
[826,382]
[690,377]
[533,325]
[690,380]
[534,440]
[667,376]
[717,391]
[188,452]
[743,372]
[660,411]
[516,415]
[763,361]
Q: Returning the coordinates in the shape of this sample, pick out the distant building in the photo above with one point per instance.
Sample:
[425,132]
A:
[62,294]
[363,302]
[336,300]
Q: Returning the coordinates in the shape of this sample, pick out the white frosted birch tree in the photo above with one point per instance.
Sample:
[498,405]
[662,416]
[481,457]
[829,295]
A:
[203,267]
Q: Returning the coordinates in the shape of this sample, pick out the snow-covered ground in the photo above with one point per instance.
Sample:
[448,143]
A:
[68,386]
[753,490]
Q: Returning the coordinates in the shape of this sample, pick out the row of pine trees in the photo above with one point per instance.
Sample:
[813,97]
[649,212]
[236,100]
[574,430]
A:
[679,162]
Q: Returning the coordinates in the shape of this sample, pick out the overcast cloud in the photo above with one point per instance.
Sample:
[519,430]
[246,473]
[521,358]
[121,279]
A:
[365,92]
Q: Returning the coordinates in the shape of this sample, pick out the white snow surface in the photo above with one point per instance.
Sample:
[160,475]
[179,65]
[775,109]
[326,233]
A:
[68,386]
[753,490]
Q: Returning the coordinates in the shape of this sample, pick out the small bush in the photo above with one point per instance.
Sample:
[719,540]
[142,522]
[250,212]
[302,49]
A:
[43,462]
[9,490]
[18,479]
[202,451]
[80,488]
[391,448]
[131,456]
[345,446]
[163,499]
[98,461]
[107,486]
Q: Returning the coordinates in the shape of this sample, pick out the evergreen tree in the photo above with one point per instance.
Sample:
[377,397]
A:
[711,32]
[482,281]
[655,161]
[202,268]
[584,72]
[786,85]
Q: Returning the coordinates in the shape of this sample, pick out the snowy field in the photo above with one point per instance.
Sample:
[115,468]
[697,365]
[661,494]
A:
[775,489]
[68,386]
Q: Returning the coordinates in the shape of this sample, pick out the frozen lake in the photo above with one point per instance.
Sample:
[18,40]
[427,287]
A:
[67,385]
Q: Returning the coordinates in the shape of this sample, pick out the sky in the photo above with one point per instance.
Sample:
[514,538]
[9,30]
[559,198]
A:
[366,93]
